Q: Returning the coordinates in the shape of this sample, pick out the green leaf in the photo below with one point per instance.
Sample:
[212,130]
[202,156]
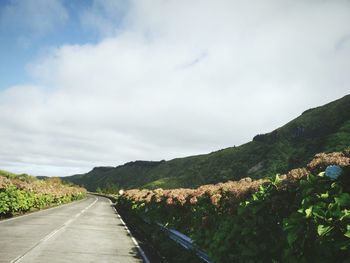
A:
[308,212]
[325,195]
[277,180]
[321,174]
[318,212]
[345,214]
[347,234]
[343,199]
[291,237]
[323,230]
[343,244]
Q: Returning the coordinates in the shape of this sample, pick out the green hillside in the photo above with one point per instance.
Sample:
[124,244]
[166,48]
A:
[321,129]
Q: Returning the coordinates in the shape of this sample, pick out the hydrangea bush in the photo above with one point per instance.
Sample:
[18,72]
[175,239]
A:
[21,195]
[302,216]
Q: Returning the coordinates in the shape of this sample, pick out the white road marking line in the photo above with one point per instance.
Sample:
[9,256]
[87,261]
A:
[142,253]
[54,232]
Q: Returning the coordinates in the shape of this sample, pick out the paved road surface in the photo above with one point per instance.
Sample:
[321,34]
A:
[84,231]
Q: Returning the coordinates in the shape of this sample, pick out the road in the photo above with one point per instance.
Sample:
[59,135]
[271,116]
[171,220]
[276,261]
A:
[83,231]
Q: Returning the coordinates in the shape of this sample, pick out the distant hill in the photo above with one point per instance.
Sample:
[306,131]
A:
[321,129]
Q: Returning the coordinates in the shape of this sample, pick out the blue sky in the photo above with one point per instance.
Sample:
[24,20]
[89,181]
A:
[104,82]
[24,36]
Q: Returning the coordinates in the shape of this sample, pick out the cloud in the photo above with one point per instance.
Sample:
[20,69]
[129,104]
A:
[180,78]
[104,17]
[30,17]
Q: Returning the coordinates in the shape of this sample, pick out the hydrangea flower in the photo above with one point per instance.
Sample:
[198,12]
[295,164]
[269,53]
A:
[333,171]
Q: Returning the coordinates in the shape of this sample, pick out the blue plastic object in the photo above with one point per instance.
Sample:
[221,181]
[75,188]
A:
[333,171]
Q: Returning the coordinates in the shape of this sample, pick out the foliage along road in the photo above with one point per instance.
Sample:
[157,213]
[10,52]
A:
[84,231]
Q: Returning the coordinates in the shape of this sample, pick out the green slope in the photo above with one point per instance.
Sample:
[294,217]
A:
[322,129]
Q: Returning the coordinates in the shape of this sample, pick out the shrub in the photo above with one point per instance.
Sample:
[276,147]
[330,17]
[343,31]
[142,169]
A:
[297,217]
[19,194]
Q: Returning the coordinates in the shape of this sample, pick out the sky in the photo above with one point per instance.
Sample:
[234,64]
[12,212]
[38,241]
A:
[104,82]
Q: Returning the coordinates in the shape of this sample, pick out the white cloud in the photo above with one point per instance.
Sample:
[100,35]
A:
[104,17]
[32,17]
[181,78]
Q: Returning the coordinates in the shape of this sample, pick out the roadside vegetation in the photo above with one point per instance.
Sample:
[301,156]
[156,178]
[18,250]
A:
[300,216]
[23,193]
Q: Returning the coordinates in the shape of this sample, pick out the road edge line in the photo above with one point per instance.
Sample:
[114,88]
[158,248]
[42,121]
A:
[137,245]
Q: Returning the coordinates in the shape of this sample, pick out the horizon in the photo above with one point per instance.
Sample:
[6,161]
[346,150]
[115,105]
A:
[199,154]
[180,157]
[102,83]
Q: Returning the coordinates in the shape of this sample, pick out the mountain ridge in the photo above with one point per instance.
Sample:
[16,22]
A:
[321,129]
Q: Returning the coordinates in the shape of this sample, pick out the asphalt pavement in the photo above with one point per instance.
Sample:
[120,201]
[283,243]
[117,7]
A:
[84,231]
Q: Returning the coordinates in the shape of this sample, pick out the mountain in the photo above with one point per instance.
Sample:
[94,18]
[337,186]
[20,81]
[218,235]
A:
[321,129]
